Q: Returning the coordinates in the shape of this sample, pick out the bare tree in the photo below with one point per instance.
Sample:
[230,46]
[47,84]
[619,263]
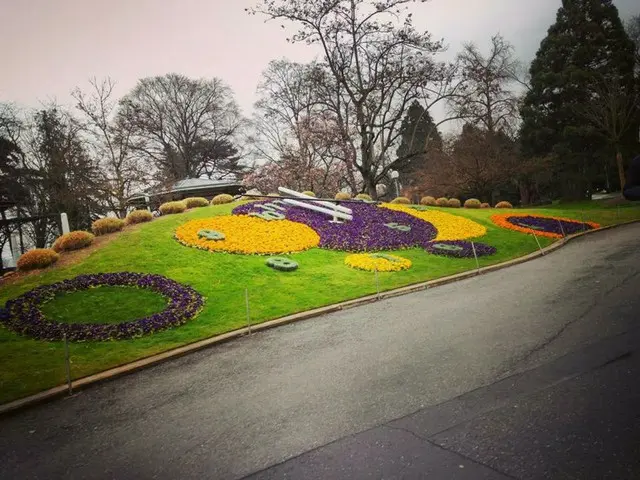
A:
[186,127]
[375,63]
[122,170]
[489,99]
[632,26]
[612,110]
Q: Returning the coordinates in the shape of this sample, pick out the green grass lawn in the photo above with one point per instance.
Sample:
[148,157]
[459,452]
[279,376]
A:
[29,366]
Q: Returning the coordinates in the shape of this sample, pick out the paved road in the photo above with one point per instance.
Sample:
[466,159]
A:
[492,377]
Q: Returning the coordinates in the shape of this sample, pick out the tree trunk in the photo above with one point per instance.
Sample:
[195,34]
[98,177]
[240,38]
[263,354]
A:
[620,165]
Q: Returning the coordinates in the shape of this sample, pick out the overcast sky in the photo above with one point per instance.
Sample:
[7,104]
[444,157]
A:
[51,46]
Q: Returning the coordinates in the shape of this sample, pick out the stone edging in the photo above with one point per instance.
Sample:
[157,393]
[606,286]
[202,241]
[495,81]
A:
[225,337]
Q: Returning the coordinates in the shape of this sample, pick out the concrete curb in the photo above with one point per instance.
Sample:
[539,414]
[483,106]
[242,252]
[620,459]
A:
[128,368]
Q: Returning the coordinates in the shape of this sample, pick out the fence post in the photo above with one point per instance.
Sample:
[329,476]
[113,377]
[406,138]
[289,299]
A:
[64,222]
[475,255]
[377,284]
[246,302]
[561,229]
[67,363]
[538,242]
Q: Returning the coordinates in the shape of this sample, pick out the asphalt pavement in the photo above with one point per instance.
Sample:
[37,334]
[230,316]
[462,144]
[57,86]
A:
[528,372]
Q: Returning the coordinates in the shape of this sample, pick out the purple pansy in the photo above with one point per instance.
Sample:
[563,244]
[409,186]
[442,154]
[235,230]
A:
[549,225]
[22,315]
[371,229]
[459,248]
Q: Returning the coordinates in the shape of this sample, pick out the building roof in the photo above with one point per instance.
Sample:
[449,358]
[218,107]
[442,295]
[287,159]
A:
[190,185]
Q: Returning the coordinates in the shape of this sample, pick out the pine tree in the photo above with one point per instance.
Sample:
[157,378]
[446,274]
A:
[587,45]
[419,136]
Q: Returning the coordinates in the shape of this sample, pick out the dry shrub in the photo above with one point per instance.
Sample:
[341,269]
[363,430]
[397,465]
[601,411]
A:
[428,200]
[37,258]
[472,203]
[138,216]
[106,225]
[222,199]
[485,205]
[196,202]
[172,207]
[401,200]
[73,241]
[503,204]
[343,196]
[454,203]
[442,202]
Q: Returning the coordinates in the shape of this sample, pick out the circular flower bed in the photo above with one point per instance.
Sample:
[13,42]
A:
[449,227]
[22,315]
[382,262]
[371,229]
[459,249]
[248,235]
[541,225]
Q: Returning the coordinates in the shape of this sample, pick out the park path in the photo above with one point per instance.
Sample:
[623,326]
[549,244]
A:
[244,406]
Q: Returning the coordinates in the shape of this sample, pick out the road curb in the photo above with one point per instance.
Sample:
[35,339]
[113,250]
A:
[128,368]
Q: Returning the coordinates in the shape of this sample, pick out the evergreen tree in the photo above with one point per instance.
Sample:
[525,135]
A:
[587,45]
[419,136]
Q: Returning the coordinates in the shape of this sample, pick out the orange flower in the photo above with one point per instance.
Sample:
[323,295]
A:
[502,220]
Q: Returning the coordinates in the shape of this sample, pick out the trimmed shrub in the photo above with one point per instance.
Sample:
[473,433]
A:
[485,205]
[107,225]
[503,204]
[428,200]
[401,200]
[363,196]
[454,203]
[309,192]
[222,199]
[472,203]
[172,207]
[73,241]
[138,216]
[196,202]
[37,258]
[343,196]
[442,202]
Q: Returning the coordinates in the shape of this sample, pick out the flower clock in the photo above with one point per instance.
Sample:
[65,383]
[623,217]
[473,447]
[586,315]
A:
[23,314]
[459,249]
[541,225]
[380,262]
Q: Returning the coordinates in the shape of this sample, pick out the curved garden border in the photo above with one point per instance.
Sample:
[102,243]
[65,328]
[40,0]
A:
[23,315]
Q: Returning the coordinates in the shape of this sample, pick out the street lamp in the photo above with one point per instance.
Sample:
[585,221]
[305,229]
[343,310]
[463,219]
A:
[394,176]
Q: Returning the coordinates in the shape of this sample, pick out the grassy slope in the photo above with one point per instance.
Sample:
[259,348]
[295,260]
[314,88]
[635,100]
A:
[29,366]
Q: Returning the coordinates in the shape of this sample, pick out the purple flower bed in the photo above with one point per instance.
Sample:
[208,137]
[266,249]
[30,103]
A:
[549,225]
[459,249]
[23,316]
[366,232]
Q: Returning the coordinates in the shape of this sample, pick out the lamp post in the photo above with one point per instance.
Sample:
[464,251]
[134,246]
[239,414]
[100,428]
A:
[394,176]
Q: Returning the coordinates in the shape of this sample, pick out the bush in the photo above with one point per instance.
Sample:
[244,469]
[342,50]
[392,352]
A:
[363,196]
[401,200]
[107,225]
[428,201]
[343,196]
[442,202]
[37,258]
[223,198]
[472,203]
[503,204]
[138,216]
[485,205]
[196,202]
[309,192]
[73,241]
[454,203]
[172,207]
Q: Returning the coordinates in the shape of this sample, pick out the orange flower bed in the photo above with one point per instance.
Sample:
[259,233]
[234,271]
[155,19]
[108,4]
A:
[541,225]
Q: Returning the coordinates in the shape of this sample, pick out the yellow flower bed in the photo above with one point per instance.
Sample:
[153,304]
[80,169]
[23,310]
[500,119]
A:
[249,235]
[450,227]
[382,262]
